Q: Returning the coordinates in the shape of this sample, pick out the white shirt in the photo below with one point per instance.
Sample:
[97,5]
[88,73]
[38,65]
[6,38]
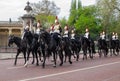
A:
[56,29]
[86,35]
[73,36]
[116,37]
[37,31]
[103,37]
[113,37]
[65,33]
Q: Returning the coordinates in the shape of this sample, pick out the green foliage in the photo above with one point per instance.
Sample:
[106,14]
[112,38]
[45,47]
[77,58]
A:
[73,12]
[45,20]
[87,19]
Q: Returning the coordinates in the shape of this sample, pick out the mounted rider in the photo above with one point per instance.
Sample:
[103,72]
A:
[73,37]
[66,31]
[103,38]
[57,31]
[73,34]
[51,29]
[38,28]
[116,36]
[87,34]
[90,40]
[26,29]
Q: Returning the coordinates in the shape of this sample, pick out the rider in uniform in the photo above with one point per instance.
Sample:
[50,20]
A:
[39,27]
[113,36]
[52,29]
[73,34]
[66,31]
[87,35]
[116,36]
[56,33]
[73,40]
[103,37]
[26,29]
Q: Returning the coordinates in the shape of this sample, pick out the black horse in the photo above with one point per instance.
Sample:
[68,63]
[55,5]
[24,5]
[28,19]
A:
[102,47]
[114,47]
[21,46]
[51,47]
[32,46]
[67,48]
[75,47]
[87,45]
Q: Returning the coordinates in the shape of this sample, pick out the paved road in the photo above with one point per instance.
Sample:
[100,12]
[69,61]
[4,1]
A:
[99,69]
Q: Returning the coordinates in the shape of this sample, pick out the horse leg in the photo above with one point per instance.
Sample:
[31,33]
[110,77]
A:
[39,53]
[77,54]
[65,57]
[99,52]
[18,52]
[117,50]
[25,65]
[54,57]
[61,58]
[69,56]
[44,59]
[110,52]
[33,57]
[37,62]
[90,53]
[24,53]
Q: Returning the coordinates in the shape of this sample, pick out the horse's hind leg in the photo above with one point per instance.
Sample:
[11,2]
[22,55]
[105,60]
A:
[61,57]
[24,53]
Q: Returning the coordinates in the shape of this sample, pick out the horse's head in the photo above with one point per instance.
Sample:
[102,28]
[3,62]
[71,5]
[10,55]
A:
[45,36]
[10,40]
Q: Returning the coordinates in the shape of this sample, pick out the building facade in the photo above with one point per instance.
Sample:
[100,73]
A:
[9,28]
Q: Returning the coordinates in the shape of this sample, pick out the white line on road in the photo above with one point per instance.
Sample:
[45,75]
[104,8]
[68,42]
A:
[15,67]
[56,74]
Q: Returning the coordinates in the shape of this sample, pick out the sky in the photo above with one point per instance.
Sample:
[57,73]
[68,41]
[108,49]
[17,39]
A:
[15,8]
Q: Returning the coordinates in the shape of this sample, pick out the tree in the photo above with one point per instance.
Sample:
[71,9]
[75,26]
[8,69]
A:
[109,13]
[45,7]
[73,12]
[45,11]
[87,18]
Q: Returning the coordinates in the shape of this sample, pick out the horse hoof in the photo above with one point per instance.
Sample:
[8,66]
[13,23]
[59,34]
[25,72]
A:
[70,62]
[54,65]
[61,64]
[32,62]
[37,64]
[26,64]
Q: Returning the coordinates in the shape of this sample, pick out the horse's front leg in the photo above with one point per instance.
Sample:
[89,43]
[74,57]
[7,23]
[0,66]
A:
[54,57]
[28,53]
[24,53]
[44,58]
[18,52]
[61,57]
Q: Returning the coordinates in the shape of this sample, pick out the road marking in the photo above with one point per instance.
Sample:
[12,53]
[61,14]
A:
[15,67]
[56,74]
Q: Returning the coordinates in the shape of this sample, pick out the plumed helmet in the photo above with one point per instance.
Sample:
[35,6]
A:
[52,27]
[86,29]
[27,27]
[56,19]
[66,28]
[103,32]
[113,33]
[72,31]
